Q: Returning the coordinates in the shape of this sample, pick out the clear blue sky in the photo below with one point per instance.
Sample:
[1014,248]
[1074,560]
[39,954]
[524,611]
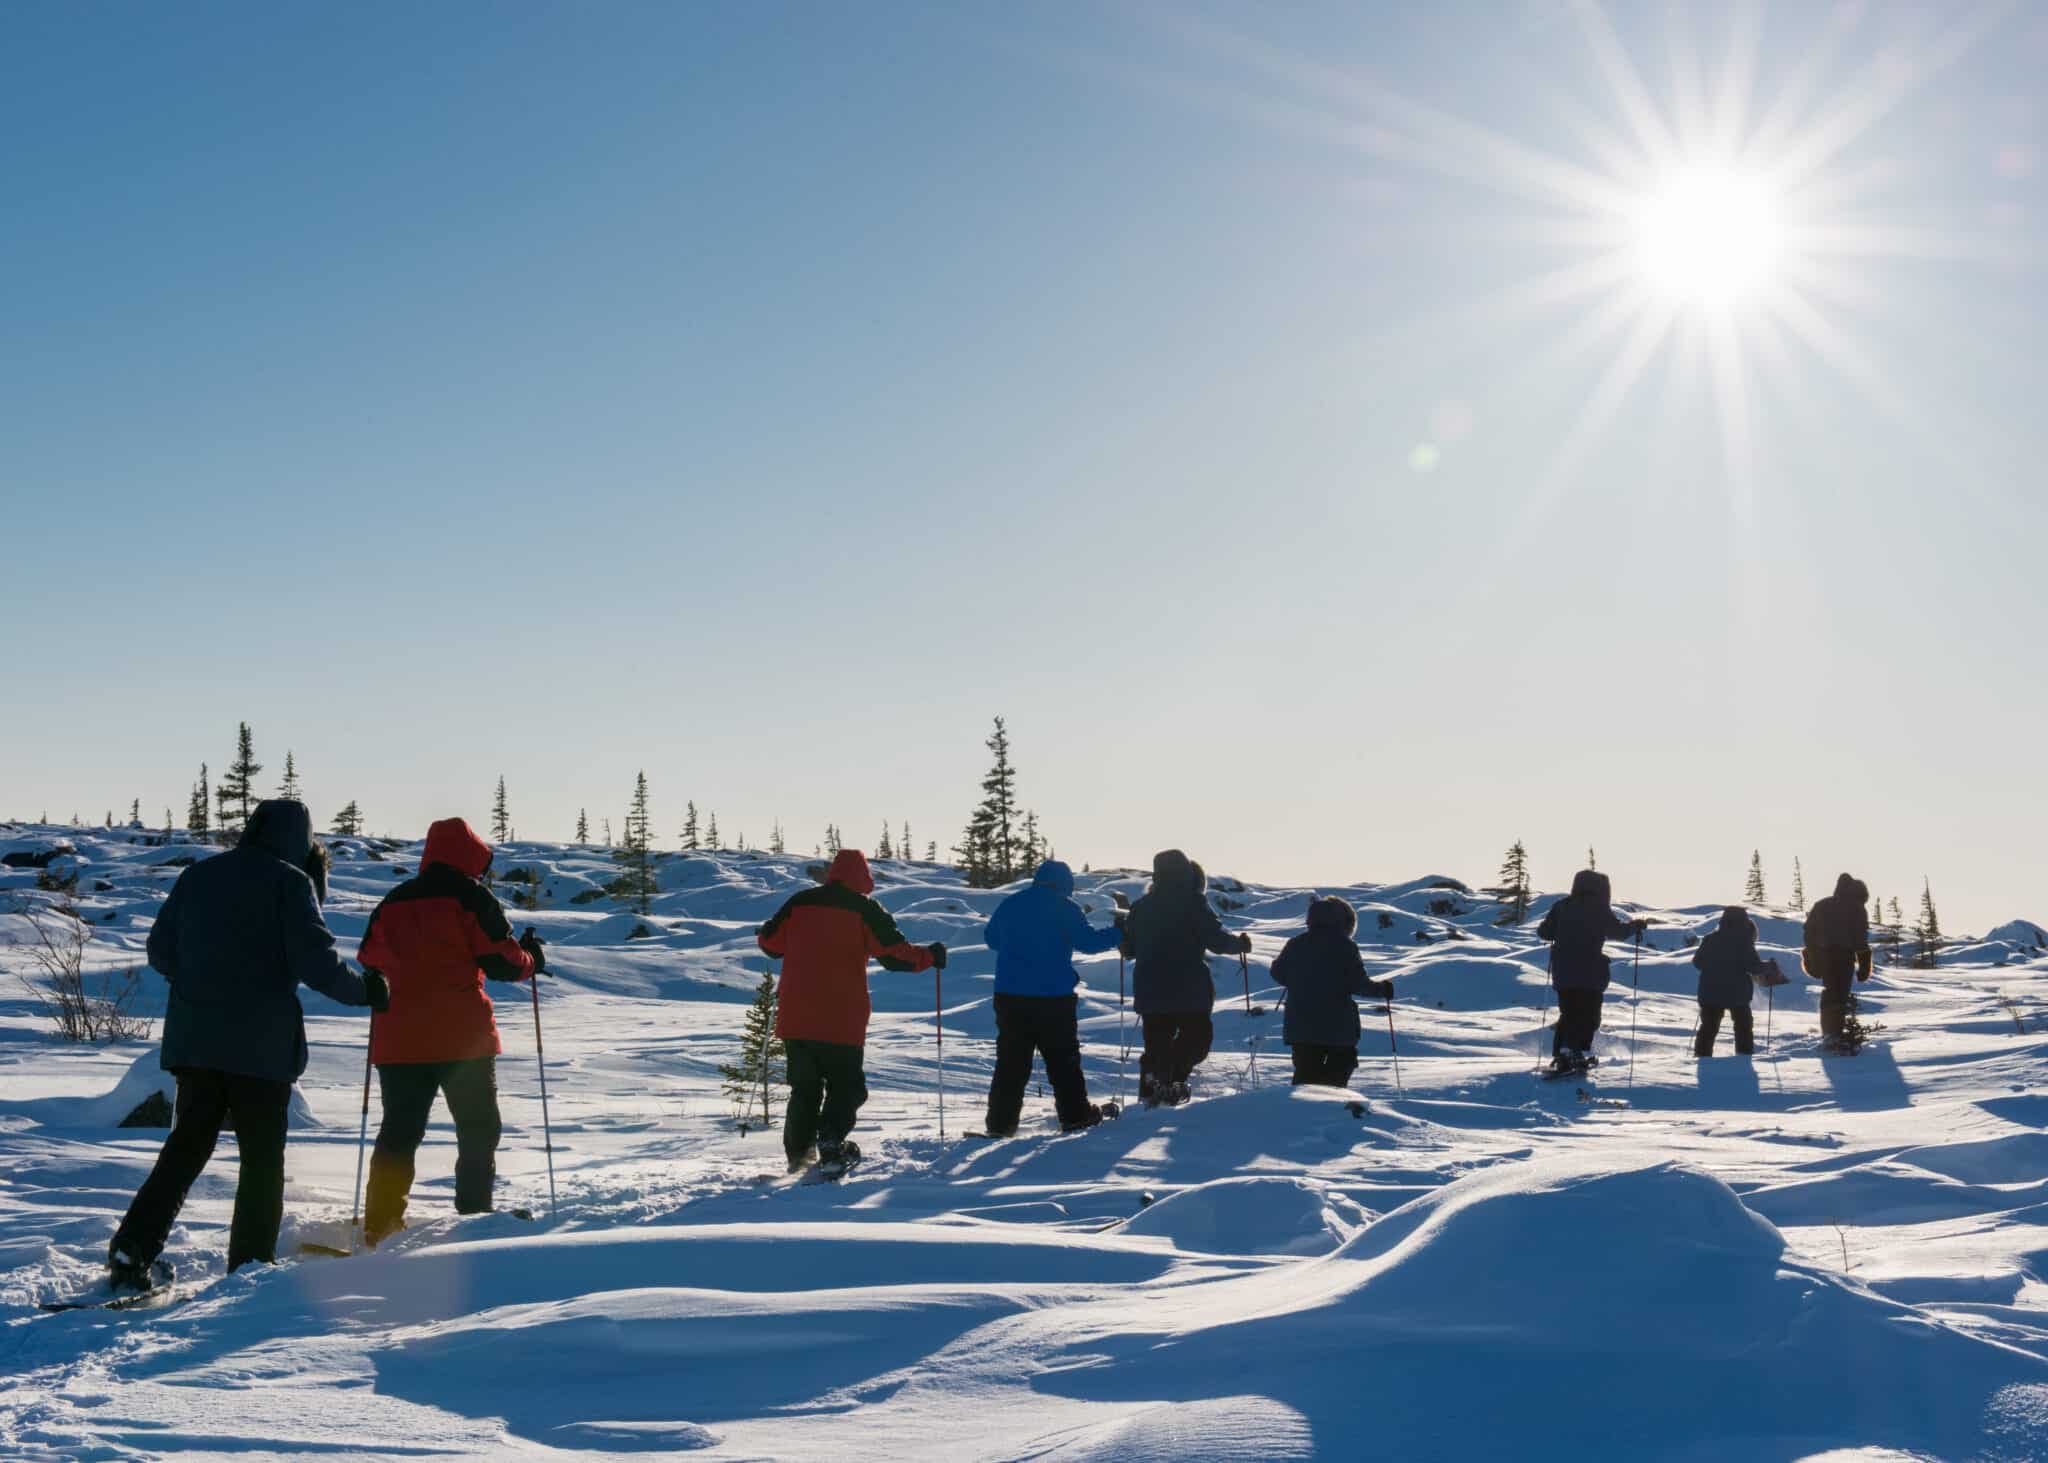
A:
[1233,398]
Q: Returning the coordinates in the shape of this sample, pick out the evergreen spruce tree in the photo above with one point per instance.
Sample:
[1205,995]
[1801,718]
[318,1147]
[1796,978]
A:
[832,843]
[711,838]
[1591,862]
[1032,851]
[1753,888]
[607,833]
[1798,888]
[236,795]
[1927,932]
[349,821]
[135,812]
[692,840]
[931,851]
[170,823]
[776,842]
[199,811]
[905,849]
[759,1069]
[501,815]
[993,846]
[635,855]
[289,788]
[583,825]
[883,847]
[1513,889]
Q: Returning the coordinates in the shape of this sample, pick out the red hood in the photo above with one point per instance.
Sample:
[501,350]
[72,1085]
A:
[850,867]
[451,842]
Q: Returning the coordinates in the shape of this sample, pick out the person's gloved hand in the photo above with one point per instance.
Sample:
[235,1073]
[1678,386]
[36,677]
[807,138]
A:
[1244,944]
[536,950]
[1384,989]
[378,989]
[938,953]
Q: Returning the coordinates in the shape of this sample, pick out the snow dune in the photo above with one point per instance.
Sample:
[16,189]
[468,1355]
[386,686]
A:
[1779,1257]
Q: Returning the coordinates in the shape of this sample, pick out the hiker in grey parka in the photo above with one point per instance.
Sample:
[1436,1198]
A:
[1578,927]
[239,934]
[1324,974]
[1727,962]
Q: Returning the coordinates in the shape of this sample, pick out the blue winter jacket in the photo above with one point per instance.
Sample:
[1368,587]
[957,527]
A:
[1037,933]
[238,935]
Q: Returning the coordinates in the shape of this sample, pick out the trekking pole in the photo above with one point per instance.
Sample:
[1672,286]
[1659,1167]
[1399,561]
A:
[939,1026]
[1244,968]
[1123,1043]
[540,1058]
[355,1218]
[1394,1045]
[1549,975]
[1634,992]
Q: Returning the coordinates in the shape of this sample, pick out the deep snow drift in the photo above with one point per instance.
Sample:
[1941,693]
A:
[1776,1257]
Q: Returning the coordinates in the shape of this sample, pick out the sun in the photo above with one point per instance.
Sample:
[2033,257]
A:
[1709,234]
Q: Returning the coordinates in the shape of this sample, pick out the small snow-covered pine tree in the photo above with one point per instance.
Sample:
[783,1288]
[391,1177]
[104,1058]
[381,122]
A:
[832,842]
[711,838]
[135,812]
[583,825]
[1927,932]
[1513,889]
[1798,888]
[692,834]
[199,811]
[349,821]
[931,851]
[759,1069]
[776,842]
[1753,887]
[1592,862]
[289,788]
[635,856]
[883,847]
[501,815]
[236,795]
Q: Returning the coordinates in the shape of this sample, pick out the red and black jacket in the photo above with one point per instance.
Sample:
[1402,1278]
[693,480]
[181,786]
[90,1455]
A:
[437,937]
[825,938]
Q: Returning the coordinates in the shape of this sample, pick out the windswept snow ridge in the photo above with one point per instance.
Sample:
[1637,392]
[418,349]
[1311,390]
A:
[1779,1257]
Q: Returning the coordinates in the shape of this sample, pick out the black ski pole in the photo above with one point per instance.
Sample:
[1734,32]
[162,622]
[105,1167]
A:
[939,1026]
[355,1218]
[1549,976]
[1634,992]
[1393,1044]
[1244,968]
[1123,1044]
[540,1058]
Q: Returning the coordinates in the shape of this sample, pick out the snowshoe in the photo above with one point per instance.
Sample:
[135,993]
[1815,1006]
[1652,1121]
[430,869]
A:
[131,1277]
[836,1159]
[1094,1117]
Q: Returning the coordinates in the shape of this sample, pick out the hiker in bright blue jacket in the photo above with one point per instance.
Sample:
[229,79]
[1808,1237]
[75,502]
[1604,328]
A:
[1036,934]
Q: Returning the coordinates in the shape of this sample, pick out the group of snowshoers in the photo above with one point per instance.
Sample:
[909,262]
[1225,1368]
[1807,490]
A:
[241,932]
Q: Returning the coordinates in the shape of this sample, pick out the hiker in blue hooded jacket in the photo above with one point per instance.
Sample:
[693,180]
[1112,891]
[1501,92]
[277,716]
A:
[1036,933]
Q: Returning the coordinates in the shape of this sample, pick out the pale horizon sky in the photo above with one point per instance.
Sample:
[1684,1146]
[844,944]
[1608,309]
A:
[1340,440]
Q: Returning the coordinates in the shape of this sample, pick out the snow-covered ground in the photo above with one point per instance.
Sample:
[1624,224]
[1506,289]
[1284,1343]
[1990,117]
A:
[1775,1258]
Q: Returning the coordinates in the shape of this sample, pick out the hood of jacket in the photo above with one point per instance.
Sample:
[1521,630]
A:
[452,842]
[1054,875]
[1332,913]
[850,867]
[1735,920]
[1853,889]
[281,826]
[1594,885]
[1172,869]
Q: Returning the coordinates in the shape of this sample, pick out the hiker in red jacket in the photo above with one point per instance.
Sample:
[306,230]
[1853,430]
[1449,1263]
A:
[824,938]
[437,938]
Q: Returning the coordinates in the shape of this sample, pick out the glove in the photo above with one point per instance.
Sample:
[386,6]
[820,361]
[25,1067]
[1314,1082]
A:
[1121,918]
[1244,944]
[378,989]
[536,950]
[1384,989]
[938,954]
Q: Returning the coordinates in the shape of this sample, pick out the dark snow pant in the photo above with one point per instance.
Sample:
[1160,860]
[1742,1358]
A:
[1578,1020]
[1324,1066]
[1175,1044]
[1837,972]
[826,1089]
[1036,1025]
[1710,1027]
[409,1090]
[256,1109]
